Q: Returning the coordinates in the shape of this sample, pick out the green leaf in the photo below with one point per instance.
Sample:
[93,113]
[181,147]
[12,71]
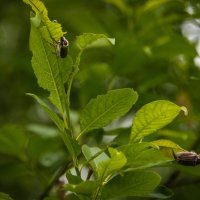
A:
[94,155]
[38,7]
[54,29]
[4,196]
[117,161]
[72,179]
[47,69]
[70,143]
[87,39]
[59,123]
[66,67]
[132,151]
[137,183]
[105,108]
[142,155]
[122,136]
[168,147]
[152,117]
[84,188]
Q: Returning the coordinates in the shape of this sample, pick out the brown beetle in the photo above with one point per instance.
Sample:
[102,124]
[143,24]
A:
[63,45]
[187,158]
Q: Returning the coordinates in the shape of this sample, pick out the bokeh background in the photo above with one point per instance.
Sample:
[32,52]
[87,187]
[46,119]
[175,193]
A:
[156,54]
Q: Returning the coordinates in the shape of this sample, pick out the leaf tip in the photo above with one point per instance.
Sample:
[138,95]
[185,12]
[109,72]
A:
[112,41]
[185,110]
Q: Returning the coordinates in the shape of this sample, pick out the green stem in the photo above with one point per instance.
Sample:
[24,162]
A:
[77,171]
[98,191]
[79,135]
[93,157]
[67,140]
[70,81]
[67,119]
[71,78]
[102,182]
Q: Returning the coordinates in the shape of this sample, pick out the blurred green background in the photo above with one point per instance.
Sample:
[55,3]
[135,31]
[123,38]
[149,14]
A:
[156,54]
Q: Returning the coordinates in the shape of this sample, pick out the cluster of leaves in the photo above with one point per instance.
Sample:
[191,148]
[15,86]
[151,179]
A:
[118,170]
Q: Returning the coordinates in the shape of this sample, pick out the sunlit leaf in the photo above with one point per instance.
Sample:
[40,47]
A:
[84,188]
[87,39]
[117,161]
[152,117]
[168,147]
[142,155]
[53,28]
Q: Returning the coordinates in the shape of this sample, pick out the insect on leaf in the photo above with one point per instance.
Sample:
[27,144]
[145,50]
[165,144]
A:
[47,69]
[142,155]
[53,28]
[168,147]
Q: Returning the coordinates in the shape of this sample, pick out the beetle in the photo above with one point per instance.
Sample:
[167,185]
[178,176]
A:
[63,45]
[187,158]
